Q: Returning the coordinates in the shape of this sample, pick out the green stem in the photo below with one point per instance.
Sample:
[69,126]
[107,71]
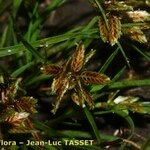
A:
[142,53]
[123,53]
[103,13]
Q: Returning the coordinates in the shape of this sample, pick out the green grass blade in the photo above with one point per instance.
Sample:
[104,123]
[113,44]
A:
[16,5]
[7,51]
[124,54]
[102,112]
[142,53]
[75,134]
[127,25]
[67,113]
[87,135]
[123,84]
[4,35]
[108,61]
[129,83]
[31,49]
[33,29]
[126,116]
[118,75]
[17,72]
[34,24]
[122,114]
[9,37]
[53,5]
[91,23]
[102,12]
[37,79]
[93,124]
[129,120]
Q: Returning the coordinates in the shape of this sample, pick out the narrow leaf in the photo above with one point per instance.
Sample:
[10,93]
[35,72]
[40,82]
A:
[118,75]
[7,51]
[140,51]
[31,49]
[93,124]
[17,72]
[108,61]
[123,84]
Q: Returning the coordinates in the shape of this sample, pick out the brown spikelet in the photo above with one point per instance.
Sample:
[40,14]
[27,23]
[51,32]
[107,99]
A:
[64,87]
[60,87]
[89,56]
[135,33]
[81,98]
[16,118]
[21,130]
[114,29]
[51,69]
[78,58]
[88,99]
[25,127]
[113,32]
[103,30]
[75,98]
[90,77]
[27,104]
[58,84]
[139,15]
[12,89]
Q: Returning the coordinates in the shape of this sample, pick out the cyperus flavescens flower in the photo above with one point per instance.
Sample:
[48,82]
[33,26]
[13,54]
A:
[15,108]
[72,77]
[123,18]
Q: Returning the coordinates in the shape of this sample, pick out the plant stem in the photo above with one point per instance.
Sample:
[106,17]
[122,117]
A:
[123,84]
[93,124]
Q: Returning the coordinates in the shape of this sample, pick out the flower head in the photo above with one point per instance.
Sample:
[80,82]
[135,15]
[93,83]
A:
[139,15]
[16,109]
[72,77]
[120,18]
[111,33]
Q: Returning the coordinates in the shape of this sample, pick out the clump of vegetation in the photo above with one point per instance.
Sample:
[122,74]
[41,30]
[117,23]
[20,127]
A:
[41,73]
